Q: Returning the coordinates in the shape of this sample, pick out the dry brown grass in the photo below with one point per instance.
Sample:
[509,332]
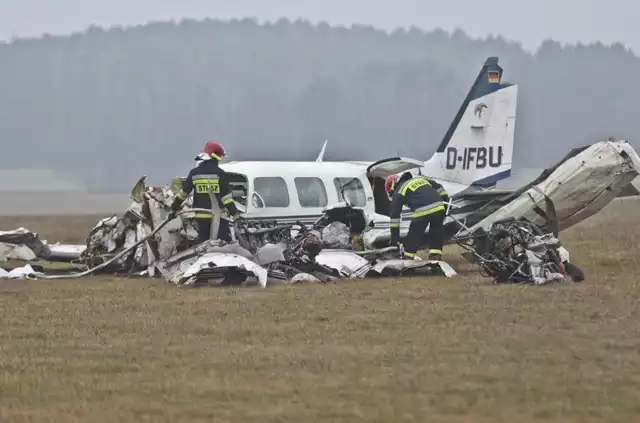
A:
[458,350]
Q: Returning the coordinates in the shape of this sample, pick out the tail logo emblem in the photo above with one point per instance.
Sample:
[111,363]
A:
[478,110]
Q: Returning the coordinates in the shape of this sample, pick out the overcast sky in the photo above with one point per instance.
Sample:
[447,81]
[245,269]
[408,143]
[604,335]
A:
[526,21]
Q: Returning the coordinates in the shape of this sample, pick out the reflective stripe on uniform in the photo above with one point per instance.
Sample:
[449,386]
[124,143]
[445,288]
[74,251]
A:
[434,251]
[442,192]
[227,199]
[204,176]
[181,195]
[428,209]
[413,184]
[411,255]
[206,181]
[203,215]
[394,222]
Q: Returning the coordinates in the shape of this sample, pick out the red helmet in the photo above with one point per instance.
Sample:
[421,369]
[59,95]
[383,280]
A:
[390,183]
[214,149]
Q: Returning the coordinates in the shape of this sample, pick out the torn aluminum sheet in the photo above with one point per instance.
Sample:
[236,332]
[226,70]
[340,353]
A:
[24,272]
[171,266]
[336,235]
[349,264]
[221,263]
[282,261]
[221,267]
[380,262]
[23,245]
[16,252]
[401,266]
[28,239]
[305,277]
[234,263]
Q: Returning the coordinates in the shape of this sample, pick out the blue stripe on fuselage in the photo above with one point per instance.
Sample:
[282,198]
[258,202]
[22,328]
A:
[491,180]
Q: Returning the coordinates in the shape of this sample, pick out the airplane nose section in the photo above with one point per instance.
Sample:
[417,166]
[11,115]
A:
[603,173]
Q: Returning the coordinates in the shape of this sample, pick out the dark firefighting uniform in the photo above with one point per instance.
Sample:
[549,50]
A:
[425,199]
[441,191]
[208,177]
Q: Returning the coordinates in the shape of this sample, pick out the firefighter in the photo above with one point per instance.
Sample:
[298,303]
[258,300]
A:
[205,179]
[425,198]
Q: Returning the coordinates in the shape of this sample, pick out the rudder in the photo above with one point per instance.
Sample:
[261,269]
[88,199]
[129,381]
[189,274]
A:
[477,149]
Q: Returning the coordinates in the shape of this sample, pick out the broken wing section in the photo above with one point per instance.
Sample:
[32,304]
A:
[579,186]
[22,244]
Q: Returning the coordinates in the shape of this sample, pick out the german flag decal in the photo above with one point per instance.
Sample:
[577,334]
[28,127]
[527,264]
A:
[494,77]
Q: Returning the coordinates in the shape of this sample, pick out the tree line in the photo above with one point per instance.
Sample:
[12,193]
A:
[105,106]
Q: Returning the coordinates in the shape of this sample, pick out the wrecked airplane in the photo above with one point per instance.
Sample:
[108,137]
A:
[346,241]
[291,232]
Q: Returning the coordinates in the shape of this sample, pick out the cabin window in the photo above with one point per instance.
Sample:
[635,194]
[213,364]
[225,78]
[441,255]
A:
[311,192]
[270,192]
[353,191]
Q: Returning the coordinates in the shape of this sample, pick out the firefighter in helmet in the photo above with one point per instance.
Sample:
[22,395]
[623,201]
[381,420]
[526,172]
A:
[425,199]
[208,180]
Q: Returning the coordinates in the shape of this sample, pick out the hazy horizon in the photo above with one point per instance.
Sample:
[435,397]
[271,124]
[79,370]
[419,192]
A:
[101,108]
[530,23]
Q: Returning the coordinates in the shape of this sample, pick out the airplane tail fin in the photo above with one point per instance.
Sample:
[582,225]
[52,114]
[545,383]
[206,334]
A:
[478,146]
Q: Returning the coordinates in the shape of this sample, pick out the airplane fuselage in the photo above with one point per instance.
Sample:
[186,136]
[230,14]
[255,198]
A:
[300,191]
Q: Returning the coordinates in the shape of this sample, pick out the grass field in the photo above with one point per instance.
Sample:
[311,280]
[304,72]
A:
[61,203]
[415,350]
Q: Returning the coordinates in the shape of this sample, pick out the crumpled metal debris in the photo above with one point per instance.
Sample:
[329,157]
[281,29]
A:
[144,242]
[518,251]
[148,210]
[336,235]
[228,268]
[285,258]
[263,251]
[24,272]
[16,252]
[22,244]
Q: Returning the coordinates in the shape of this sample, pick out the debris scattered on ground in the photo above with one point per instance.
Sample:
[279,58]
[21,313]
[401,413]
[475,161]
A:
[143,242]
[517,251]
[23,272]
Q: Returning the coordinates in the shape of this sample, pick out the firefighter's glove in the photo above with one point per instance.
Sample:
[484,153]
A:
[175,206]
